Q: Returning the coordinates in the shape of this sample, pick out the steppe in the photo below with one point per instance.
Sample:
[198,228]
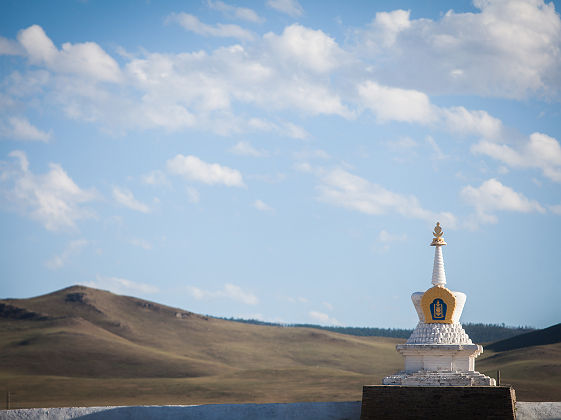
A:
[86,347]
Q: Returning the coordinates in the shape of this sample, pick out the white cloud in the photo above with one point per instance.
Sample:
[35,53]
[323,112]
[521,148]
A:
[121,286]
[244,148]
[438,154]
[541,152]
[301,46]
[86,59]
[9,47]
[242,13]
[413,106]
[194,169]
[126,198]
[187,89]
[343,189]
[52,198]
[297,132]
[555,209]
[492,196]
[19,128]
[323,318]
[72,249]
[261,206]
[193,24]
[155,178]
[229,291]
[390,24]
[460,120]
[511,48]
[290,7]
[395,104]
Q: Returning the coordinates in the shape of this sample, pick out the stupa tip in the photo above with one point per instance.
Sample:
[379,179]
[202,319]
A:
[438,240]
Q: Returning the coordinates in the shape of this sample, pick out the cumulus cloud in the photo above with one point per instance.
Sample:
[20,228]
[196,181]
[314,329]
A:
[492,196]
[121,286]
[262,206]
[193,24]
[290,7]
[462,121]
[155,178]
[19,128]
[394,104]
[301,46]
[510,48]
[236,12]
[71,250]
[540,151]
[52,198]
[126,198]
[10,47]
[344,189]
[244,148]
[86,59]
[184,90]
[229,291]
[412,106]
[194,169]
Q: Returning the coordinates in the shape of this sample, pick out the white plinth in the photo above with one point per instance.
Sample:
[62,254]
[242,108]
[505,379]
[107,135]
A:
[450,357]
[439,378]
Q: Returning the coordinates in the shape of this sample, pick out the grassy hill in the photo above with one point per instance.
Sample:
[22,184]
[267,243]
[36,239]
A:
[551,335]
[81,346]
[531,362]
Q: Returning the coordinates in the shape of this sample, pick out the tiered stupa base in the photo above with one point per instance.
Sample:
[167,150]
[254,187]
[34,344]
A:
[439,378]
[439,355]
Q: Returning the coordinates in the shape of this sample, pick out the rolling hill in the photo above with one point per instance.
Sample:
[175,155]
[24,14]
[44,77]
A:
[83,346]
[86,346]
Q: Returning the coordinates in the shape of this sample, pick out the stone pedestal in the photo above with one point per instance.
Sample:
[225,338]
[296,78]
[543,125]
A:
[458,403]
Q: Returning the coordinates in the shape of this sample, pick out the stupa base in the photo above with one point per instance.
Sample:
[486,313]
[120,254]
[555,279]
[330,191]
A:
[439,378]
[431,402]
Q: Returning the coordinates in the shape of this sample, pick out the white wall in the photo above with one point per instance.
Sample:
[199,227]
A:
[296,411]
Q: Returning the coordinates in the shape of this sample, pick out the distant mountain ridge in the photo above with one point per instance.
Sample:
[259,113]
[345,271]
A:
[550,335]
[478,332]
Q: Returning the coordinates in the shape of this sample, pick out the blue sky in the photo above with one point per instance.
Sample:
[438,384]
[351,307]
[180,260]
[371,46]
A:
[284,160]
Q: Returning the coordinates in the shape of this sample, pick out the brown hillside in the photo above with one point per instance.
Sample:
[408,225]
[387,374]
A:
[81,346]
[76,336]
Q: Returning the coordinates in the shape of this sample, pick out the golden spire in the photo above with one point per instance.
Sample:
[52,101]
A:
[438,240]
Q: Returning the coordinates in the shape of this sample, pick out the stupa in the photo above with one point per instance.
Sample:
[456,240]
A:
[439,352]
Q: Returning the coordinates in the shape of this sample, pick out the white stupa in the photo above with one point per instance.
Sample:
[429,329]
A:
[439,352]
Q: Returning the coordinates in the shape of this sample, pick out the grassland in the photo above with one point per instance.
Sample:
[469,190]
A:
[82,347]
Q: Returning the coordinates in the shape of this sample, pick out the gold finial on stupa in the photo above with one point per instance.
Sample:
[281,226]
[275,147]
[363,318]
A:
[438,239]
